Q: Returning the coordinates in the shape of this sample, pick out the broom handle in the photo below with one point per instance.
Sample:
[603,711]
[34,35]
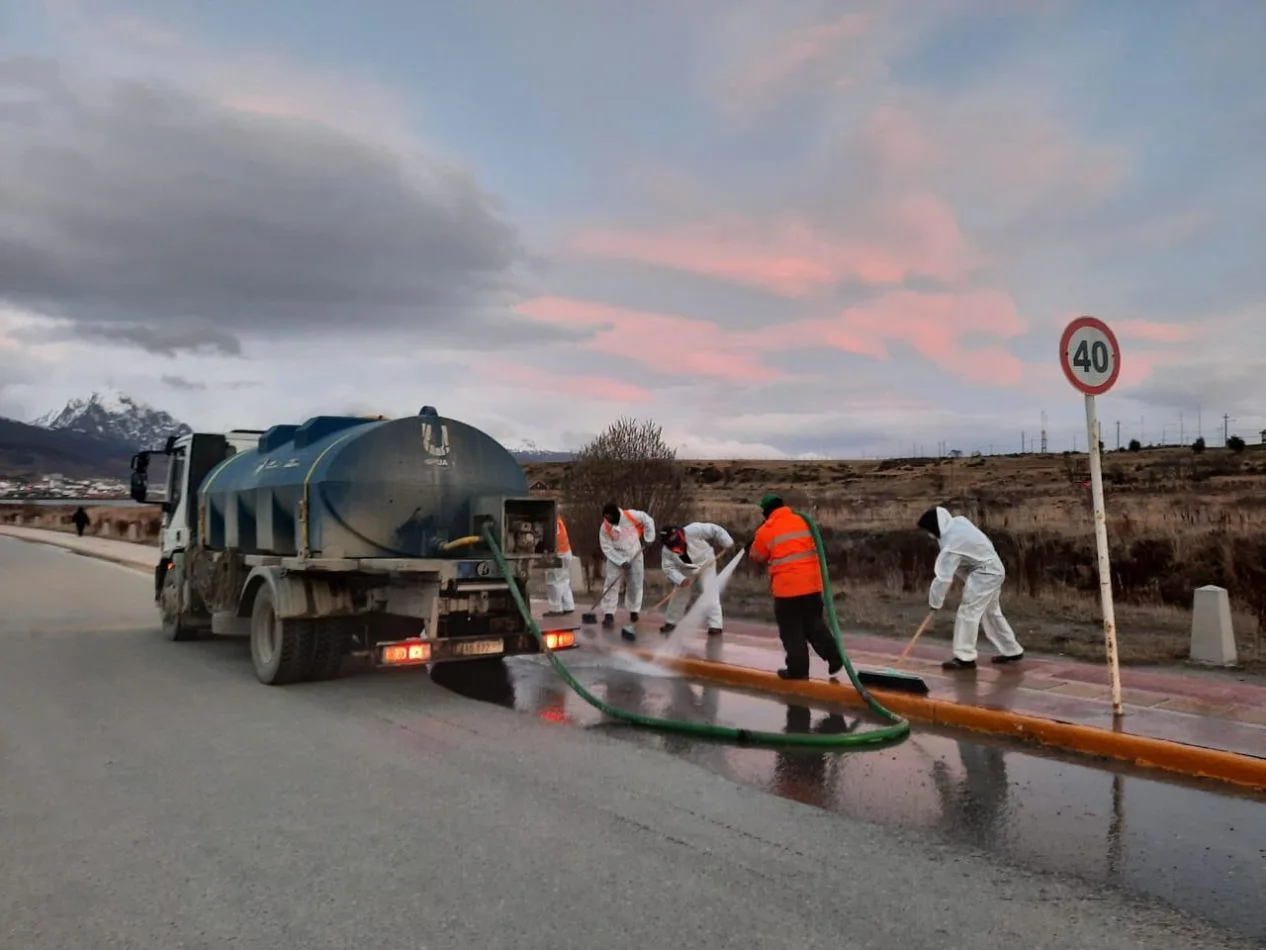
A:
[918,633]
[615,580]
[693,577]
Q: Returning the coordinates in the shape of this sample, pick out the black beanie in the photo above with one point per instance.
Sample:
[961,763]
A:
[930,523]
[611,511]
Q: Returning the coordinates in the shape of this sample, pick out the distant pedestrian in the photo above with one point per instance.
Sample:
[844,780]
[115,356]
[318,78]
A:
[81,520]
[785,543]
[968,553]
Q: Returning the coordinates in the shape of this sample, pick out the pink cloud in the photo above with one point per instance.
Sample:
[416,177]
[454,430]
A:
[771,59]
[917,236]
[951,145]
[802,47]
[659,340]
[1138,365]
[940,327]
[602,388]
[1151,331]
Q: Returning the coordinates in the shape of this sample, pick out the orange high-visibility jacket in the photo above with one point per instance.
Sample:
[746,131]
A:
[641,530]
[785,543]
[563,543]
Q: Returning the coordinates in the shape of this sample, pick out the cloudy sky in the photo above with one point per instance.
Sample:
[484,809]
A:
[772,226]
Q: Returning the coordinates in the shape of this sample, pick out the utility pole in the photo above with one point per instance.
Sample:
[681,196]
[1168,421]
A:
[1182,433]
[1226,430]
[1118,433]
[1142,431]
[1043,431]
[1021,442]
[1199,421]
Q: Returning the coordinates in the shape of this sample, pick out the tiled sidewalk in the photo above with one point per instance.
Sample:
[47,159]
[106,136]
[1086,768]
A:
[1216,710]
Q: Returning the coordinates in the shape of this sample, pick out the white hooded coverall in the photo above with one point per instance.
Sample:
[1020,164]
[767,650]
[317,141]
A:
[704,541]
[622,545]
[967,553]
[558,579]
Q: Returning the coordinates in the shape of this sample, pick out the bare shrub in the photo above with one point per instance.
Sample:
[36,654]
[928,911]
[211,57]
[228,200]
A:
[630,464]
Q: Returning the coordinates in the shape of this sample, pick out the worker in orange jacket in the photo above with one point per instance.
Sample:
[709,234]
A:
[558,579]
[785,544]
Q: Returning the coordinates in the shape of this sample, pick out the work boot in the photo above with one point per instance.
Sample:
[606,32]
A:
[558,613]
[1003,658]
[835,667]
[633,616]
[608,621]
[785,674]
[714,631]
[667,628]
[957,664]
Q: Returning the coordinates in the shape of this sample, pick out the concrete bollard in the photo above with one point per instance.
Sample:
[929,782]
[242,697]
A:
[577,571]
[1212,638]
[134,532]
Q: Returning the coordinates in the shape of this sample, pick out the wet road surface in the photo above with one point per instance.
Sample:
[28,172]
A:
[154,795]
[1197,847]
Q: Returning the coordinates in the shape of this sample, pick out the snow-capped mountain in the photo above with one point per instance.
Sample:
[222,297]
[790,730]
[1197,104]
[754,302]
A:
[117,416]
[528,452]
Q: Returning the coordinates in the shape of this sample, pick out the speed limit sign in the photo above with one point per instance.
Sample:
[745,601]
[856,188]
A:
[1090,355]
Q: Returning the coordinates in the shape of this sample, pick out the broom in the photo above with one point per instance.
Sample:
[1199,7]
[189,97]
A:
[894,679]
[589,616]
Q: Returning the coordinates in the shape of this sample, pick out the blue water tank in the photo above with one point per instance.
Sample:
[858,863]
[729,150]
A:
[374,488]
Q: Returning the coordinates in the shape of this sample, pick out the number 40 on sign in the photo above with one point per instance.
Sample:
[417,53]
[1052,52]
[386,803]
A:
[1091,359]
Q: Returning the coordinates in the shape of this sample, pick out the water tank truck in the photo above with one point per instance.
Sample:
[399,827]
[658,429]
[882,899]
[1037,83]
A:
[347,536]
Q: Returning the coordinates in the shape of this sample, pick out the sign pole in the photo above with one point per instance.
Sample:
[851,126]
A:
[1091,359]
[1101,544]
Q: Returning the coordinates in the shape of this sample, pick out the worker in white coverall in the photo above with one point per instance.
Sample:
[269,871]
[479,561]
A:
[967,553]
[558,579]
[689,557]
[623,536]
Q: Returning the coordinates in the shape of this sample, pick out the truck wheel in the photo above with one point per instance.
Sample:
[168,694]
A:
[175,624]
[280,649]
[329,645]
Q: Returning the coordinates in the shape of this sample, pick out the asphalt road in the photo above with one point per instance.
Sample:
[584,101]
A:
[155,796]
[1194,845]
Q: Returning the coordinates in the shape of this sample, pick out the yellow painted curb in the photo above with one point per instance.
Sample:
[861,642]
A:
[1144,751]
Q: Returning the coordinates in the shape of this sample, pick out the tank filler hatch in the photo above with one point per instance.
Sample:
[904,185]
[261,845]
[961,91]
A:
[524,527]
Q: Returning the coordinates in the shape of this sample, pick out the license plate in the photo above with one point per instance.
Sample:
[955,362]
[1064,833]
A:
[478,647]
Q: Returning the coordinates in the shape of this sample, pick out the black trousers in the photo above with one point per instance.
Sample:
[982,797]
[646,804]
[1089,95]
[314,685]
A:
[801,625]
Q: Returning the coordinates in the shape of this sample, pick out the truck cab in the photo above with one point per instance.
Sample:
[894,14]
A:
[190,458]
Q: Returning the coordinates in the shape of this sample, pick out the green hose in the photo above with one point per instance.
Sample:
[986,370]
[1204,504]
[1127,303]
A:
[883,736]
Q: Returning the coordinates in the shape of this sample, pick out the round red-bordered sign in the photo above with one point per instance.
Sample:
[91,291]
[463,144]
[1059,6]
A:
[1090,355]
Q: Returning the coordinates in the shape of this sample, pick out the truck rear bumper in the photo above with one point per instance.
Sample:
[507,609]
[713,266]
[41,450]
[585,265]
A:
[414,652]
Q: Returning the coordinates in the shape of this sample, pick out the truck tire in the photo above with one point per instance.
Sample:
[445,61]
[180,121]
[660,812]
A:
[280,649]
[176,625]
[329,645]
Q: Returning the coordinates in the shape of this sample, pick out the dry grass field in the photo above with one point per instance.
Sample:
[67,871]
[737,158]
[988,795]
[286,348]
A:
[1176,520]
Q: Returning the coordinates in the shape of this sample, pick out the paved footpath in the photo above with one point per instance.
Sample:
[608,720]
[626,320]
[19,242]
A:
[1214,710]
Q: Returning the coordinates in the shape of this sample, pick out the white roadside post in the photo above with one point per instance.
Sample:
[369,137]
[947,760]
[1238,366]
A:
[1091,359]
